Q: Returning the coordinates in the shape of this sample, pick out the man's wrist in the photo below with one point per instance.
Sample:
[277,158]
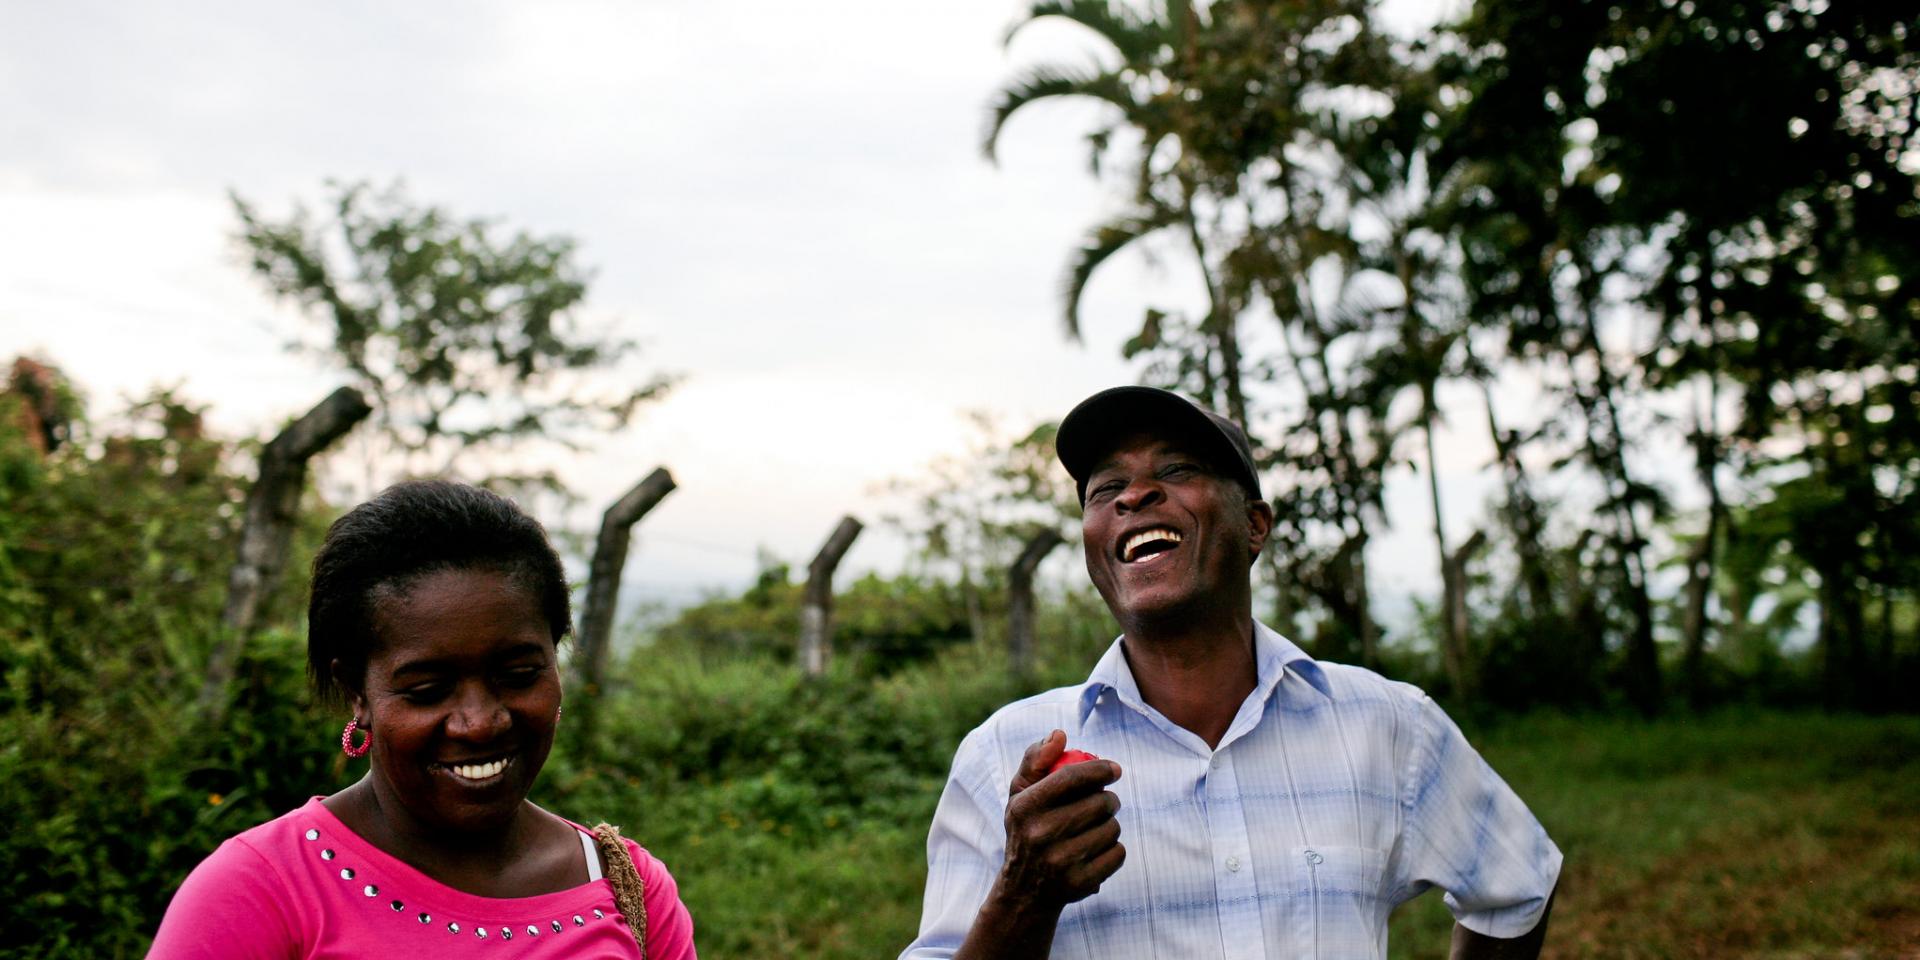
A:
[1011,925]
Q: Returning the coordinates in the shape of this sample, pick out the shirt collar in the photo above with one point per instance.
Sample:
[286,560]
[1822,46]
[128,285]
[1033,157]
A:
[1274,656]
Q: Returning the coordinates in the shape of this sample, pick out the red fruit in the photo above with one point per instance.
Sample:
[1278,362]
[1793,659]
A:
[1071,757]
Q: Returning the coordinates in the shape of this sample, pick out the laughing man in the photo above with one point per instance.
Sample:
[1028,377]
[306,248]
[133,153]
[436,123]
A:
[1271,805]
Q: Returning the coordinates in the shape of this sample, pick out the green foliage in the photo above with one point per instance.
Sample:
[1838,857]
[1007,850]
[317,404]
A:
[881,622]
[464,339]
[127,536]
[793,812]
[1681,224]
[972,515]
[114,550]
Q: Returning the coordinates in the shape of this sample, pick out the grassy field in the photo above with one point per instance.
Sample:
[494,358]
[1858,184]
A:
[1737,835]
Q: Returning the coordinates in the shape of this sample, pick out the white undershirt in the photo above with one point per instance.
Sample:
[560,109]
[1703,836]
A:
[593,856]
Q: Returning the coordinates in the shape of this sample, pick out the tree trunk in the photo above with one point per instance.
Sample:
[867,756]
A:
[1220,321]
[1363,604]
[816,611]
[1464,672]
[273,507]
[1609,456]
[1693,619]
[1453,639]
[1020,598]
[603,573]
[1521,512]
[1284,603]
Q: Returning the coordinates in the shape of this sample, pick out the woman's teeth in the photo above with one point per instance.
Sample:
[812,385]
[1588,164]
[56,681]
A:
[478,771]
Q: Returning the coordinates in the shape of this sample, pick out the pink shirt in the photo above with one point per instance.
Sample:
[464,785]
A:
[305,886]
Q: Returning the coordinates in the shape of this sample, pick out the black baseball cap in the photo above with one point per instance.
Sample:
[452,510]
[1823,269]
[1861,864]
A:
[1091,429]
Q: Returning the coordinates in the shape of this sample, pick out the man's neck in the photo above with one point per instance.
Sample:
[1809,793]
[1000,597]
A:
[1196,672]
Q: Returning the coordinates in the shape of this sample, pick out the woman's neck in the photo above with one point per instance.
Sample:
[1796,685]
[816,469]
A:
[522,857]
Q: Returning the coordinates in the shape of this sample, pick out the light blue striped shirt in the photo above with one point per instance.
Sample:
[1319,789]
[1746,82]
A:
[1335,796]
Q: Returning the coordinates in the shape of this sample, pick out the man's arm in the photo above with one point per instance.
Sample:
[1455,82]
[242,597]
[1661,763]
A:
[1466,832]
[1062,843]
[1468,945]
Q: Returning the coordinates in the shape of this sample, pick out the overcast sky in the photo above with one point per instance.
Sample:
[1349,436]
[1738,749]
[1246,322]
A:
[785,202]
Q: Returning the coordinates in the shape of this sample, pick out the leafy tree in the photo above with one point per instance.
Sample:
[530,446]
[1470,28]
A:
[1691,223]
[1150,87]
[114,548]
[463,338]
[1741,175]
[972,514]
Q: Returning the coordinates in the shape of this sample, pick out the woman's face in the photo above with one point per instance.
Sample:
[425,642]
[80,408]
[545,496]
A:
[462,692]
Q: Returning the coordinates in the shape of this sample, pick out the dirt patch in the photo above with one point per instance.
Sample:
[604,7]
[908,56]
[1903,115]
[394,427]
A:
[1798,886]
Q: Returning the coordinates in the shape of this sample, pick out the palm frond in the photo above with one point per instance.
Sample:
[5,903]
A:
[1137,39]
[1105,241]
[1044,81]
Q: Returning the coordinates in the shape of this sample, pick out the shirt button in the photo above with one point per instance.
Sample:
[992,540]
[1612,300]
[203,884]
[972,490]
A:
[1315,858]
[1233,864]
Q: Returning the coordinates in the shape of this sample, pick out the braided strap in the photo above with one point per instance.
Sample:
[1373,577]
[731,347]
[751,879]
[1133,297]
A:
[629,890]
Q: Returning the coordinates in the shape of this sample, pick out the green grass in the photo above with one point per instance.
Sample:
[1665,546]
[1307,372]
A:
[1737,835]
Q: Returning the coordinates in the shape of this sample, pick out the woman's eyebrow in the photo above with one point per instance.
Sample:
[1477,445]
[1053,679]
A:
[423,666]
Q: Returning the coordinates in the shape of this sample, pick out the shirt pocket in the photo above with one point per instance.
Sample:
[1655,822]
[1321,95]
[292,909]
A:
[1340,908]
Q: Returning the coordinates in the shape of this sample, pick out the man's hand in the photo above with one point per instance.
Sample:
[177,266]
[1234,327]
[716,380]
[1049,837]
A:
[1062,839]
[1062,843]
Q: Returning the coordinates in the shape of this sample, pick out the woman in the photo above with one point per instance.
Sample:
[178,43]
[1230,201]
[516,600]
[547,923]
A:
[436,614]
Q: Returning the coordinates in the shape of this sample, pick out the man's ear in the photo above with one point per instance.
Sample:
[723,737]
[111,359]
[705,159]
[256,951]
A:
[350,687]
[1259,524]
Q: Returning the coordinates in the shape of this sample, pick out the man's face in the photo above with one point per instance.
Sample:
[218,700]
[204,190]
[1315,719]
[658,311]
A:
[1165,533]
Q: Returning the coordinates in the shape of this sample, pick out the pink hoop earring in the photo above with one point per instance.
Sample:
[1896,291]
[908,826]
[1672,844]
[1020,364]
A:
[346,740]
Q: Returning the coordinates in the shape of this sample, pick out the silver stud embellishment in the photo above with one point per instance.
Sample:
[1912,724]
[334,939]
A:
[397,906]
[313,834]
[426,917]
[557,927]
[346,873]
[577,921]
[370,890]
[480,932]
[533,930]
[326,854]
[506,933]
[597,915]
[453,928]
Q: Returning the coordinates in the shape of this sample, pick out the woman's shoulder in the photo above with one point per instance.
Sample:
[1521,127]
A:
[238,898]
[669,925]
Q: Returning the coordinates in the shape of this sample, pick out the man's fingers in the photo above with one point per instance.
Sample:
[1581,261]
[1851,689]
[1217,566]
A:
[1075,830]
[1038,759]
[1094,872]
[1088,812]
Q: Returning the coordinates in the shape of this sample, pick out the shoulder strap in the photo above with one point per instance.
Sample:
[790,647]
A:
[590,845]
[629,890]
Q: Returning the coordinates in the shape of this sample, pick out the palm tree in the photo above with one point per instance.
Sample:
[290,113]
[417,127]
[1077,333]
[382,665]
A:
[1150,88]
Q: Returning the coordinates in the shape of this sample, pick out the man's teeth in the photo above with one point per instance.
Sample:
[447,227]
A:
[479,771]
[1135,542]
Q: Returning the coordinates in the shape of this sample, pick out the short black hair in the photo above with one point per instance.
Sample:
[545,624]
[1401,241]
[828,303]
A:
[408,531]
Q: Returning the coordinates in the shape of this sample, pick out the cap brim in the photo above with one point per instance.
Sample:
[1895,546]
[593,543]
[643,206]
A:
[1091,430]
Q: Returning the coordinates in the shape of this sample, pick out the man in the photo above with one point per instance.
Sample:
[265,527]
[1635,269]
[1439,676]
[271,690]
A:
[1271,805]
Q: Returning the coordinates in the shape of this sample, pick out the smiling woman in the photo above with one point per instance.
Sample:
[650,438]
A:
[436,614]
